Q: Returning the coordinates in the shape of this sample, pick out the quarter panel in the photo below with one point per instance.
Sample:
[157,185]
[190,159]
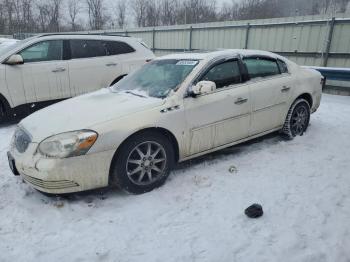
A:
[308,81]
[3,85]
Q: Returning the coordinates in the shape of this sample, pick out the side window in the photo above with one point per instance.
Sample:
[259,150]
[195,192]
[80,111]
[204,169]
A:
[283,67]
[261,67]
[87,48]
[117,48]
[224,74]
[44,51]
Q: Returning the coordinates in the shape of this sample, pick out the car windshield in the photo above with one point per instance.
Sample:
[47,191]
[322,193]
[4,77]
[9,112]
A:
[156,79]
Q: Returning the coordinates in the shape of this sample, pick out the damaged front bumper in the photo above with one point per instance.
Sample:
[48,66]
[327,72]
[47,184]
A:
[61,176]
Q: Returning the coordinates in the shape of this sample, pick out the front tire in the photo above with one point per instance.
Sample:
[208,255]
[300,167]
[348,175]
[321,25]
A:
[4,113]
[143,163]
[297,120]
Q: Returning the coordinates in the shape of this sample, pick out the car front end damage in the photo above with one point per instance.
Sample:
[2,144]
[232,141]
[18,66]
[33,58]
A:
[56,175]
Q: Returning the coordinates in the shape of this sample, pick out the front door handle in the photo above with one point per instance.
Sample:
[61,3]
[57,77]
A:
[241,100]
[58,70]
[111,64]
[285,89]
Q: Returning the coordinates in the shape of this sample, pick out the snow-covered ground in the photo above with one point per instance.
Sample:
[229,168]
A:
[198,215]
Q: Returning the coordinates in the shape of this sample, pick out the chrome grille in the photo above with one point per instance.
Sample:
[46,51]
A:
[21,140]
[60,184]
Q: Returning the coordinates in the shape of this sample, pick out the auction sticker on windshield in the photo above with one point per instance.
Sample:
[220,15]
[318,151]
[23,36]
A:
[187,62]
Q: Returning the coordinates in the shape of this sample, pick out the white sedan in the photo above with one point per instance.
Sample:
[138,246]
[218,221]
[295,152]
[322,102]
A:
[174,108]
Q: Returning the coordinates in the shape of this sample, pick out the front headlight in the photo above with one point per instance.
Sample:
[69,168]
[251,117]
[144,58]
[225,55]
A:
[68,144]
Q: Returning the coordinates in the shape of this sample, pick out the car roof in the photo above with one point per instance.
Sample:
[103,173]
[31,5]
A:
[211,54]
[87,36]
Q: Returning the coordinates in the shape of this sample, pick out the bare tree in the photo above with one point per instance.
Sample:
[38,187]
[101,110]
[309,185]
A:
[74,7]
[229,11]
[2,17]
[168,10]
[120,13]
[43,16]
[27,15]
[97,16]
[197,11]
[152,13]
[46,15]
[139,10]
[55,13]
[9,10]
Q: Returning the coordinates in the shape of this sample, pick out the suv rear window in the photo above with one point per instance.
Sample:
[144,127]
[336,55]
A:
[117,48]
[87,48]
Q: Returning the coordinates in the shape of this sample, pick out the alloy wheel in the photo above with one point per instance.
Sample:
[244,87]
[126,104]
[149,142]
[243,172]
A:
[299,120]
[146,163]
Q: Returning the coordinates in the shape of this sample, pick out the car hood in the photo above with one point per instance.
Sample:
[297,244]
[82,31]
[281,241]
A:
[85,111]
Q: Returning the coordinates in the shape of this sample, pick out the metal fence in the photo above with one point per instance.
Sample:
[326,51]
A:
[307,40]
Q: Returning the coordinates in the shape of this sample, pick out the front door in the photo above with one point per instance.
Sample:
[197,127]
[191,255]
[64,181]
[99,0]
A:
[42,77]
[221,117]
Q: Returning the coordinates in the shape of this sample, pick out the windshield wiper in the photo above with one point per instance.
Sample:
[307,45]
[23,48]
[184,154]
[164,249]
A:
[129,92]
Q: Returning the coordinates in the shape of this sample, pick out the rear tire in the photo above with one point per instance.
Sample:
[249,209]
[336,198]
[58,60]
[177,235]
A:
[143,163]
[297,120]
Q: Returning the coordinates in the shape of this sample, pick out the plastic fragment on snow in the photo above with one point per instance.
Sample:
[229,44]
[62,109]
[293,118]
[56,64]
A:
[254,211]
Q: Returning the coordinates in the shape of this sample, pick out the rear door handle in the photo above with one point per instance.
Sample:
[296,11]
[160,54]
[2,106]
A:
[111,64]
[285,89]
[58,70]
[241,100]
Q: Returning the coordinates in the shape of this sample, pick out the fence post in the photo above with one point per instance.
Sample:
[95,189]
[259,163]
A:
[153,39]
[247,36]
[190,39]
[126,32]
[329,42]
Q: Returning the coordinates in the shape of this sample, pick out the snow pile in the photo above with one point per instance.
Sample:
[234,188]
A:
[303,185]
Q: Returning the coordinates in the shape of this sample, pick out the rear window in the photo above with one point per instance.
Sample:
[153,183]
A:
[87,48]
[261,67]
[117,48]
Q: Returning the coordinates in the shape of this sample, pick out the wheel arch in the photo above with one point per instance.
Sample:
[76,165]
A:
[160,130]
[4,102]
[307,97]
[118,79]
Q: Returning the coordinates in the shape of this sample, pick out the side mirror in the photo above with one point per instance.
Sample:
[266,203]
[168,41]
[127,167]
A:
[202,87]
[15,60]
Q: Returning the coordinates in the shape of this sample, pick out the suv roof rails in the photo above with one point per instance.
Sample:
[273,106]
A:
[102,34]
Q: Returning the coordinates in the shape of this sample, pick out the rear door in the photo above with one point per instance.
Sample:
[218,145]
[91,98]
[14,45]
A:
[87,66]
[270,91]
